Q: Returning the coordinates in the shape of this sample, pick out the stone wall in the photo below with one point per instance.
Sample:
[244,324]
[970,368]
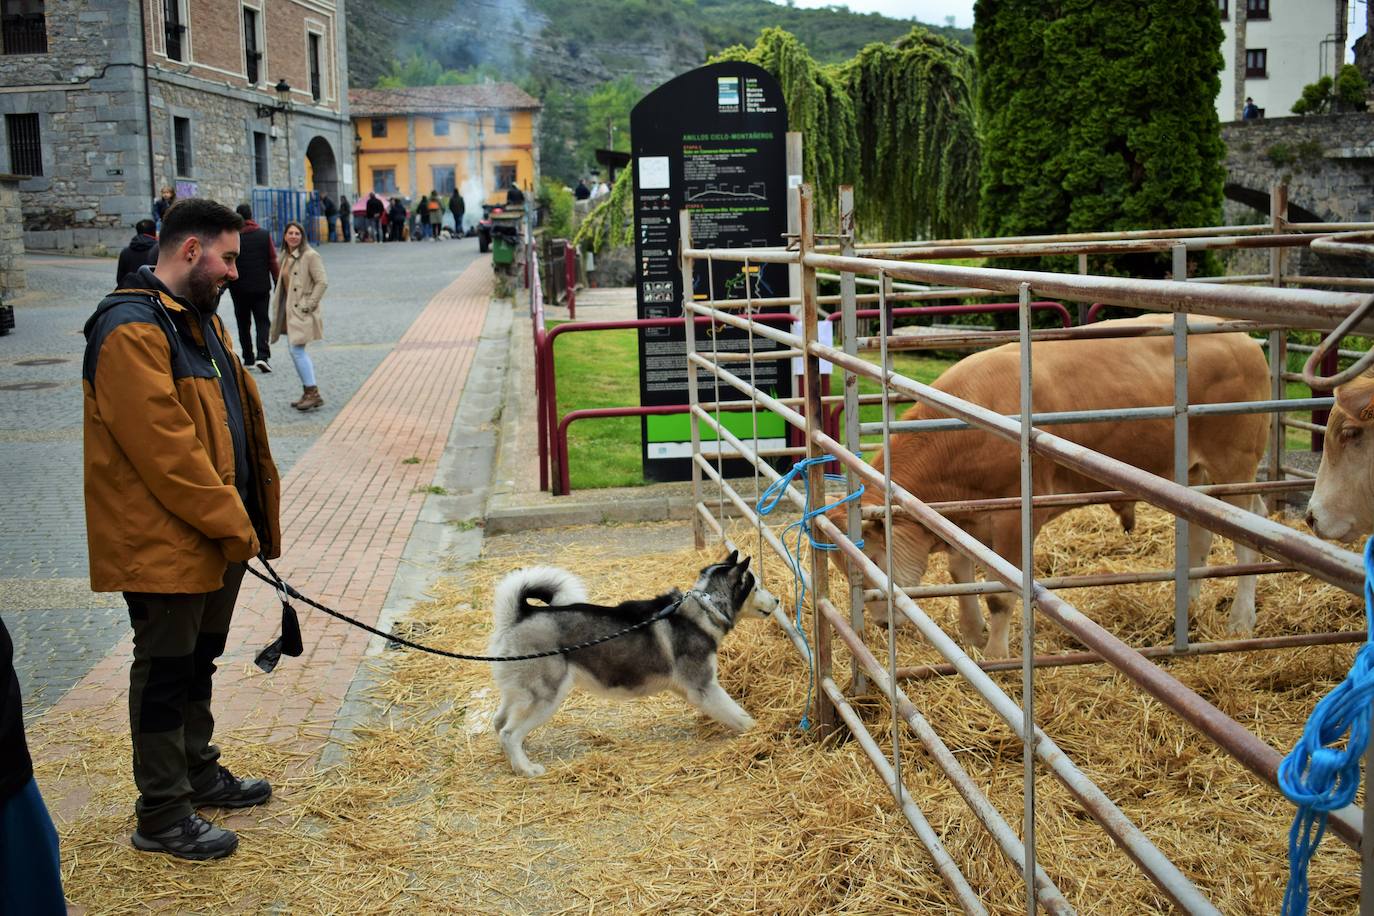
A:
[11,237]
[1326,160]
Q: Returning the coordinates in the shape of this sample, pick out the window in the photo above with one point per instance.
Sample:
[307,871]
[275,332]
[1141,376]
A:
[379,127]
[502,122]
[1256,62]
[1224,8]
[181,140]
[252,55]
[504,175]
[173,30]
[24,28]
[440,127]
[260,173]
[384,181]
[444,178]
[316,87]
[1256,9]
[26,145]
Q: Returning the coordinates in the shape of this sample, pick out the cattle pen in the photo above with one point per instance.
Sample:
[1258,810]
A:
[891,273]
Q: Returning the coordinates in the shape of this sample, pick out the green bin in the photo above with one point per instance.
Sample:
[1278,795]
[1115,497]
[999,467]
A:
[502,250]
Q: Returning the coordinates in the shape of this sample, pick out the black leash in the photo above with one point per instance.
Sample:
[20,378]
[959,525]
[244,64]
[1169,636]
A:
[289,643]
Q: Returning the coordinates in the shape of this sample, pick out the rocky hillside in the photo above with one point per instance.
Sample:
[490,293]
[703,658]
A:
[578,44]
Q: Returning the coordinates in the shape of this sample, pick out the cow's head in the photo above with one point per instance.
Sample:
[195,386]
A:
[1342,504]
[911,546]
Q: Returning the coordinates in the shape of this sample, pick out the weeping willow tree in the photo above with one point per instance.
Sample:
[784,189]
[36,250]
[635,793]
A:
[919,169]
[818,106]
[897,122]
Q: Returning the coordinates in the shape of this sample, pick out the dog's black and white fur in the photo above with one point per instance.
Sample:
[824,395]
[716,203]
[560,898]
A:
[677,653]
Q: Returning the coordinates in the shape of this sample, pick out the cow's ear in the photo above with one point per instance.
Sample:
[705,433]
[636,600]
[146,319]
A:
[1356,398]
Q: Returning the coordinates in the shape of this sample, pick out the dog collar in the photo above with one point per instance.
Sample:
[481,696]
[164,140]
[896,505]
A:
[709,605]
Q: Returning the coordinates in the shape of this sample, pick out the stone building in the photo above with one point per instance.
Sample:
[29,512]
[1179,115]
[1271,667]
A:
[479,139]
[107,101]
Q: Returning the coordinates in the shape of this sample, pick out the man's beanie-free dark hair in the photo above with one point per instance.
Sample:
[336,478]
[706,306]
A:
[198,216]
[245,211]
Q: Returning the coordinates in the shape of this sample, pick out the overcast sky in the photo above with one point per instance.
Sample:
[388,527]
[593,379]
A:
[934,12]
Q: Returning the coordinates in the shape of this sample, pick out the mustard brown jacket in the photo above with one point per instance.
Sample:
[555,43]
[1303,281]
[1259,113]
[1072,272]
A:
[178,475]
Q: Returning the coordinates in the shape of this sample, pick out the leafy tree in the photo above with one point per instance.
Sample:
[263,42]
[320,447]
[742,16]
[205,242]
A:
[1099,115]
[606,117]
[1345,93]
[421,70]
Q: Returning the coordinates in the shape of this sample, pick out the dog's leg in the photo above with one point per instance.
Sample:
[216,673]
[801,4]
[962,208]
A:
[526,714]
[719,705]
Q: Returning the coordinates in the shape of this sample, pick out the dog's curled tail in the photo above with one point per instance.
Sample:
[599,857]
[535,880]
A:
[548,584]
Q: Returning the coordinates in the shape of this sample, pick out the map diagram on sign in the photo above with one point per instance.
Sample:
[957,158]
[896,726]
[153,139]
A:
[755,191]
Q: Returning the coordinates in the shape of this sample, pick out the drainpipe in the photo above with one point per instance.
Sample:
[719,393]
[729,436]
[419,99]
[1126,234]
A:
[147,104]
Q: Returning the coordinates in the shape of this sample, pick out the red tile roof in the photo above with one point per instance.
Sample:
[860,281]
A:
[439,99]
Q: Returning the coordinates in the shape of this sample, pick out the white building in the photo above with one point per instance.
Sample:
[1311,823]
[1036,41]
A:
[1275,47]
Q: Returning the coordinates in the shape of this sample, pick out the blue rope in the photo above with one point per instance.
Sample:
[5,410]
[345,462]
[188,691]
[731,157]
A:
[766,504]
[1320,779]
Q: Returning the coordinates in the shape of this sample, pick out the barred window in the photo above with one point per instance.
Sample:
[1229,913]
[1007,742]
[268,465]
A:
[260,173]
[26,144]
[316,82]
[24,28]
[181,139]
[252,54]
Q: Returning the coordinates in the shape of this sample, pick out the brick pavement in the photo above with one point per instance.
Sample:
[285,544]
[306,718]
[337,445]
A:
[348,506]
[60,628]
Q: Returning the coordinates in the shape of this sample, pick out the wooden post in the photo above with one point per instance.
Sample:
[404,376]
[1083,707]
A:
[824,718]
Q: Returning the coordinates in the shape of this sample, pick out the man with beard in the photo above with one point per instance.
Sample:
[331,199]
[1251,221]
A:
[181,491]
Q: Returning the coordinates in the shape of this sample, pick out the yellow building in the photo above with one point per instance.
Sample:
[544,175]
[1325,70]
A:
[479,139]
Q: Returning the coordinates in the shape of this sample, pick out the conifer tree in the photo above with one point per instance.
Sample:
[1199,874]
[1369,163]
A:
[1099,114]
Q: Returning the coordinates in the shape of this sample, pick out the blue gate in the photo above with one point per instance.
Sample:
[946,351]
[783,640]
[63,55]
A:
[273,208]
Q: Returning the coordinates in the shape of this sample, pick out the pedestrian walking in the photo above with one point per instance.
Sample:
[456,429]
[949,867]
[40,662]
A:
[180,492]
[30,865]
[434,215]
[582,192]
[296,308]
[374,210]
[331,211]
[345,217]
[142,249]
[396,216]
[458,208]
[252,292]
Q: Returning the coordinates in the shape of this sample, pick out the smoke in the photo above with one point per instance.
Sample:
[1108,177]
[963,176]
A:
[474,195]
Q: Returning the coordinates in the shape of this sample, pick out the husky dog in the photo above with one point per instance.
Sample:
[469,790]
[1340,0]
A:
[677,653]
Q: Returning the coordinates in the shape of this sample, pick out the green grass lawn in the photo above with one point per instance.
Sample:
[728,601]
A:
[601,369]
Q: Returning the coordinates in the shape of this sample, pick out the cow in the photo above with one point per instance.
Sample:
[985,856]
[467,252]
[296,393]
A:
[1342,503]
[1073,375]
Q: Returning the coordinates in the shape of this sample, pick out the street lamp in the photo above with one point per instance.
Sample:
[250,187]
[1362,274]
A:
[283,90]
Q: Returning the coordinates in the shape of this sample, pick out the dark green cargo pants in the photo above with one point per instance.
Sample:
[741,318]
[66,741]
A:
[176,641]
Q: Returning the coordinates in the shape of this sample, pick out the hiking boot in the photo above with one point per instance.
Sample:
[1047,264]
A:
[264,365]
[192,837]
[310,400]
[228,791]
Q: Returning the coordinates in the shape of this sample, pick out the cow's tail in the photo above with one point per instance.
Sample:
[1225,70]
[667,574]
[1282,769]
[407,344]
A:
[547,584]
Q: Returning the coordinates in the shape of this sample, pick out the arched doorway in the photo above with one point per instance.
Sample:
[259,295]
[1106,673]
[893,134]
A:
[321,168]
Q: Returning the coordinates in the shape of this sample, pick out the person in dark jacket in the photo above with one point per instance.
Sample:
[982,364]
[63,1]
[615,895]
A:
[373,210]
[142,249]
[252,291]
[397,217]
[30,866]
[345,218]
[331,213]
[181,491]
[457,208]
[582,192]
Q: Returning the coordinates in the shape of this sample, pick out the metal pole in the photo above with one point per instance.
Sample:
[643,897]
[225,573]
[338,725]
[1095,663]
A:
[684,223]
[1027,604]
[815,425]
[1083,306]
[849,324]
[1278,340]
[1181,462]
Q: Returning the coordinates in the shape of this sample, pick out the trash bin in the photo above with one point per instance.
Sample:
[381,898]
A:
[502,250]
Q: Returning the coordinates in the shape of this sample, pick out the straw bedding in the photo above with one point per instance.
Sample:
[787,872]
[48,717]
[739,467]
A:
[648,807]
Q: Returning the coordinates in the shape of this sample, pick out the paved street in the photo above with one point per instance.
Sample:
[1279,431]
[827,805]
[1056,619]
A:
[60,628]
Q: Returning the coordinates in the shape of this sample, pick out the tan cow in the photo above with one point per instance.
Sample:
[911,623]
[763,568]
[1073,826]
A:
[1342,504]
[1073,375]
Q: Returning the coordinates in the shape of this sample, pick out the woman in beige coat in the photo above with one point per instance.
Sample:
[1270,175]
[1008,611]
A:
[296,307]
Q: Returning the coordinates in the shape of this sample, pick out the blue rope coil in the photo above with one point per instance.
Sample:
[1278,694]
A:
[802,526]
[1317,777]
